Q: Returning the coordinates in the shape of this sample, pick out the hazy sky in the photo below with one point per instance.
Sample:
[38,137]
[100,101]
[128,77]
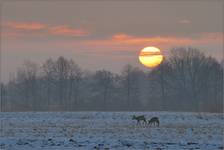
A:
[106,34]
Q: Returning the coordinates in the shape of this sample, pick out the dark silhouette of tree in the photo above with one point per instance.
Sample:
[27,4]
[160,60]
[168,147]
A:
[160,76]
[104,84]
[2,97]
[188,73]
[131,83]
[75,77]
[48,80]
[62,76]
[27,80]
[187,80]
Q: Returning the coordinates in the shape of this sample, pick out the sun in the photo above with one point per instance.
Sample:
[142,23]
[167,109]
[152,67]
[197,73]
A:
[150,57]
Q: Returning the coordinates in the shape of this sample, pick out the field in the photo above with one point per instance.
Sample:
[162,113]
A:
[110,130]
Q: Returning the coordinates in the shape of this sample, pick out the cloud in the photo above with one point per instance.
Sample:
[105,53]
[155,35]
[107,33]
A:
[184,21]
[67,31]
[124,42]
[118,42]
[157,40]
[25,26]
[199,38]
[12,34]
[211,37]
[36,29]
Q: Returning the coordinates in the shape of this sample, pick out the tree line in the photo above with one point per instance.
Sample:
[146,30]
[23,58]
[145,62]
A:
[187,80]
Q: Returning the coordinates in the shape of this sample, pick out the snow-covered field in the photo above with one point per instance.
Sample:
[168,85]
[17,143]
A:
[110,130]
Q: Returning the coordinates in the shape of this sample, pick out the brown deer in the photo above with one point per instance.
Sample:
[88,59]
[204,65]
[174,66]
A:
[154,121]
[139,119]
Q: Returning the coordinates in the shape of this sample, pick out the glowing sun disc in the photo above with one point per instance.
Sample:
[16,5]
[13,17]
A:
[150,57]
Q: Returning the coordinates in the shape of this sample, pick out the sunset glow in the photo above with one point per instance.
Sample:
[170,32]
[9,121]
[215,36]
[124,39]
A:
[92,33]
[150,57]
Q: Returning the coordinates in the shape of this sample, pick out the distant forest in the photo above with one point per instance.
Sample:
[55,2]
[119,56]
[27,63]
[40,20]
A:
[187,80]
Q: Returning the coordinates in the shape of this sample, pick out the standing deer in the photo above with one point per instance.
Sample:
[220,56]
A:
[154,121]
[139,119]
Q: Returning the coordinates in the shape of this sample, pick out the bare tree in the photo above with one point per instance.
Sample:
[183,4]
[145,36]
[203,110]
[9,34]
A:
[62,74]
[75,77]
[2,97]
[185,81]
[191,69]
[131,83]
[160,75]
[48,69]
[27,78]
[104,84]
